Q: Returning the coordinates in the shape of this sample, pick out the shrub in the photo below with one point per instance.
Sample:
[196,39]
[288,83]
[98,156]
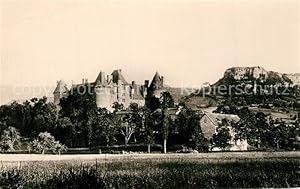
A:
[10,139]
[46,142]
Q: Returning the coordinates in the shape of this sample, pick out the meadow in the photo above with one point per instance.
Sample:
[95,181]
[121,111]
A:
[212,170]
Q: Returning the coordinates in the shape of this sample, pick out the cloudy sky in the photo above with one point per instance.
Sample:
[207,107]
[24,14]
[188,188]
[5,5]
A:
[187,41]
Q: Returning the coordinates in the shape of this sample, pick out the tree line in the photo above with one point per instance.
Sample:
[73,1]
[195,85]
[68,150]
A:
[78,122]
[263,131]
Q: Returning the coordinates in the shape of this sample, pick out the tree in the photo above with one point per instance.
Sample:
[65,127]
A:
[65,131]
[222,138]
[31,117]
[187,127]
[200,143]
[10,139]
[166,101]
[253,127]
[184,125]
[152,103]
[103,128]
[12,115]
[261,130]
[46,142]
[148,123]
[226,109]
[81,109]
[43,116]
[280,135]
[132,121]
[166,122]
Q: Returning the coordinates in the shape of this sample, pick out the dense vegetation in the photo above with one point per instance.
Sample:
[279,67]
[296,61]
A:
[262,130]
[39,126]
[170,173]
[273,91]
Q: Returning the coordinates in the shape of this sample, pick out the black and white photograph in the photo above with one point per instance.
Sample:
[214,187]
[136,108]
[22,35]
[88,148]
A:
[149,94]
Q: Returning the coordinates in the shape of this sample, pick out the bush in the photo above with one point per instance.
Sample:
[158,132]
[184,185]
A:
[10,139]
[11,179]
[46,142]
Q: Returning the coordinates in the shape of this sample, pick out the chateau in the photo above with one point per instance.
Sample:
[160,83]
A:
[114,88]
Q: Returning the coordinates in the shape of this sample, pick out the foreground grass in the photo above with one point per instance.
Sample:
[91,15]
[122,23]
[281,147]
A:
[155,173]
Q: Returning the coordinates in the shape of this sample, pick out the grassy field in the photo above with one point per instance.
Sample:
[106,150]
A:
[212,170]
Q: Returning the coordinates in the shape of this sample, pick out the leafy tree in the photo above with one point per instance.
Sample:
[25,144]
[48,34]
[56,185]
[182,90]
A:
[132,122]
[166,123]
[43,116]
[12,115]
[283,135]
[200,143]
[279,134]
[103,128]
[81,109]
[31,117]
[261,131]
[158,113]
[65,131]
[45,142]
[152,103]
[227,109]
[222,138]
[187,125]
[166,101]
[10,139]
[184,124]
[148,125]
[253,127]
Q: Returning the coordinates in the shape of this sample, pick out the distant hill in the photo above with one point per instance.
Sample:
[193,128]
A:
[248,86]
[260,74]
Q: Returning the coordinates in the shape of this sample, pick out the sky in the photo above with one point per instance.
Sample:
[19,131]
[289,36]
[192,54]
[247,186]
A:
[189,42]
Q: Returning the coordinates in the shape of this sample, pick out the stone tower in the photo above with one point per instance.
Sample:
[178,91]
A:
[121,88]
[157,86]
[102,91]
[60,91]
